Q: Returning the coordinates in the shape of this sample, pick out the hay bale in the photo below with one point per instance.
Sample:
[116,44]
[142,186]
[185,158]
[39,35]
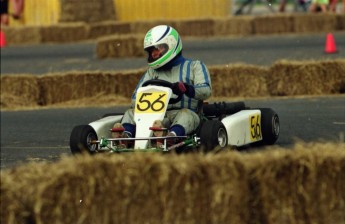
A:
[141,27]
[19,90]
[273,24]
[108,28]
[87,11]
[234,26]
[74,86]
[340,21]
[306,78]
[140,188]
[126,82]
[12,207]
[320,22]
[305,185]
[238,80]
[22,35]
[120,46]
[64,33]
[195,27]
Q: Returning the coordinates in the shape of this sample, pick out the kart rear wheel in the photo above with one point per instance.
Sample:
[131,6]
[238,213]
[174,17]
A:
[270,126]
[212,135]
[80,139]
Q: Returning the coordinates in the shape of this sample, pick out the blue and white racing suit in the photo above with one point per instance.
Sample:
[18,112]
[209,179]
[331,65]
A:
[182,115]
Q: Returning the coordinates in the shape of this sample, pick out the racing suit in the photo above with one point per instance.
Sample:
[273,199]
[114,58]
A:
[182,115]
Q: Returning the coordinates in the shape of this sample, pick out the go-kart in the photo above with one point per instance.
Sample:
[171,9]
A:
[222,125]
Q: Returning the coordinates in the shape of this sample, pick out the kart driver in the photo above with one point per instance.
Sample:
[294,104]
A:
[191,78]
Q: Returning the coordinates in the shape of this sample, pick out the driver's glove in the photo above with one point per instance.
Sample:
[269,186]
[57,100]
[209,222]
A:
[180,88]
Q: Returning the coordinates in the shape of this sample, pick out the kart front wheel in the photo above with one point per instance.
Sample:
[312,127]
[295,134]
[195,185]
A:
[81,139]
[213,134]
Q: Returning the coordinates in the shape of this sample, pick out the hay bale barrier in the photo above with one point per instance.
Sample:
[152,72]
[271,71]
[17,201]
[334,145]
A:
[283,78]
[102,24]
[120,46]
[301,185]
[290,78]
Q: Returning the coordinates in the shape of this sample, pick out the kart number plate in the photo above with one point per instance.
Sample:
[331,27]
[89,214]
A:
[255,127]
[151,102]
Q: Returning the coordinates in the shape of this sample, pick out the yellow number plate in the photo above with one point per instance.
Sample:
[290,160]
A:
[255,127]
[151,102]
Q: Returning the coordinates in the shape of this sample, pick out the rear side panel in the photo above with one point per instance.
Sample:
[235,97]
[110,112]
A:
[243,127]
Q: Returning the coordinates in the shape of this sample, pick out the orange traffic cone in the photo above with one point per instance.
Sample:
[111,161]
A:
[2,39]
[330,47]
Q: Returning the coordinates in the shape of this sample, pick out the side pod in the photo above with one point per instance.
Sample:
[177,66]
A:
[243,127]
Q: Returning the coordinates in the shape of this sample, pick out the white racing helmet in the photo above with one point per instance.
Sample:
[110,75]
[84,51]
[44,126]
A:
[162,36]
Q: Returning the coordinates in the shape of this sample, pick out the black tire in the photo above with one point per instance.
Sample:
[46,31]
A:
[270,126]
[80,140]
[212,135]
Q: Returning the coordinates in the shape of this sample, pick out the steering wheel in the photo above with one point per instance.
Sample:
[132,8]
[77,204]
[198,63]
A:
[159,82]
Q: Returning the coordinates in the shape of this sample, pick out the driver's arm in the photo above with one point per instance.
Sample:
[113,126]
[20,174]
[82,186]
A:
[201,81]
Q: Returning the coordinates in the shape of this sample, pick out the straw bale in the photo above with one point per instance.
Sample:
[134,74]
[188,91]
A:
[19,90]
[140,188]
[71,86]
[242,25]
[306,78]
[87,11]
[341,21]
[305,185]
[22,35]
[273,24]
[238,80]
[284,78]
[120,46]
[12,207]
[125,82]
[108,28]
[62,33]
[141,27]
[195,27]
[301,185]
[320,22]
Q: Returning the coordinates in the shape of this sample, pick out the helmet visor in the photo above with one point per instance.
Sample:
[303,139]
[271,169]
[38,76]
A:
[156,52]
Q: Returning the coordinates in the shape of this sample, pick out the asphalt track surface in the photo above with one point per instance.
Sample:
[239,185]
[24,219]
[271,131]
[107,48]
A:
[257,50]
[43,135]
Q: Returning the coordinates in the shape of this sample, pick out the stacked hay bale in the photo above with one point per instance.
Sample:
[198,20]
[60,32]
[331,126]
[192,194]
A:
[18,91]
[107,28]
[299,186]
[306,23]
[237,26]
[239,80]
[78,86]
[284,78]
[120,46]
[87,11]
[64,33]
[273,24]
[305,184]
[139,188]
[340,21]
[22,35]
[288,78]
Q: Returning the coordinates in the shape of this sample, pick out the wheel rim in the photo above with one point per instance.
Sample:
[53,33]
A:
[276,126]
[222,137]
[89,138]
